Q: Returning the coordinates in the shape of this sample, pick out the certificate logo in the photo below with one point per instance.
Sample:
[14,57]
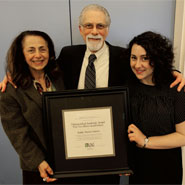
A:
[89,145]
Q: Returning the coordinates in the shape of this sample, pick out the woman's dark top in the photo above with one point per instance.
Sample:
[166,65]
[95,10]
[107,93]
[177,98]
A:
[156,111]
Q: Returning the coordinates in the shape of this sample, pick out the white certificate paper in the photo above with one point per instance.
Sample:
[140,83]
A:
[88,132]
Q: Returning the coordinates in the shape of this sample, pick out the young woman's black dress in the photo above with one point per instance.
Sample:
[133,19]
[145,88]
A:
[156,111]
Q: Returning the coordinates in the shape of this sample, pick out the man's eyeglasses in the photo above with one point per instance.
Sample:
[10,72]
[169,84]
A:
[91,26]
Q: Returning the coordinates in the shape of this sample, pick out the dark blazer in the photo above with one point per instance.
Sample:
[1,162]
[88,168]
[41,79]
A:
[71,58]
[21,117]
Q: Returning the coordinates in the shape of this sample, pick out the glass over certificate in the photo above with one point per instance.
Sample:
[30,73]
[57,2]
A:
[88,132]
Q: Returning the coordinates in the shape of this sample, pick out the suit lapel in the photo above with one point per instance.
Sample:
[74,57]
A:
[59,83]
[111,65]
[76,69]
[32,93]
[117,66]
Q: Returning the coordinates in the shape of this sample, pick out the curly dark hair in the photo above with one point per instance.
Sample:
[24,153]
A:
[159,50]
[16,64]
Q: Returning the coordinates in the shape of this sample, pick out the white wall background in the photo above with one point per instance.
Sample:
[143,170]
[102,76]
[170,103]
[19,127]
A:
[129,18]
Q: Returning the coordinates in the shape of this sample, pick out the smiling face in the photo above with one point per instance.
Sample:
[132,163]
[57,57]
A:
[94,29]
[36,53]
[140,64]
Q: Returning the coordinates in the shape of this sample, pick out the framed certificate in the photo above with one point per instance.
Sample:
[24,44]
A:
[86,131]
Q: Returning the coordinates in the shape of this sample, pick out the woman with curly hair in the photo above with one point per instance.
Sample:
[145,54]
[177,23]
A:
[158,112]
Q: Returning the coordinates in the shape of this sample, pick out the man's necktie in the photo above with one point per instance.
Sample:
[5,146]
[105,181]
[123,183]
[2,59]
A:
[90,74]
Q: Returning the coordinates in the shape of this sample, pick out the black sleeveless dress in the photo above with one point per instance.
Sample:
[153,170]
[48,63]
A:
[155,111]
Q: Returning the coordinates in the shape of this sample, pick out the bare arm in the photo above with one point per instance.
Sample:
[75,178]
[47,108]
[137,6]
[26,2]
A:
[173,140]
[179,80]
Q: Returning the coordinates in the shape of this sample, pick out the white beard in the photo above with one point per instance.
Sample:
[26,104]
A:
[94,45]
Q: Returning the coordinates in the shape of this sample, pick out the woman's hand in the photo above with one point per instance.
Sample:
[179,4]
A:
[134,134]
[44,170]
[179,79]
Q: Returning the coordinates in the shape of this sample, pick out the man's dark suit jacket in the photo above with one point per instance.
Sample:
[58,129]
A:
[21,117]
[71,58]
[70,61]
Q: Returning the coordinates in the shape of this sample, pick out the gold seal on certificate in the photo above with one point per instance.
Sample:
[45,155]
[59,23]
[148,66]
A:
[86,131]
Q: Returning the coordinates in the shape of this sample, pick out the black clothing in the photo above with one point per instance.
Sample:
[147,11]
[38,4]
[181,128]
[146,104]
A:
[155,111]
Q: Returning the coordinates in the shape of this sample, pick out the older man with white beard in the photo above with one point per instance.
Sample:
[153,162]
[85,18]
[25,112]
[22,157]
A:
[111,68]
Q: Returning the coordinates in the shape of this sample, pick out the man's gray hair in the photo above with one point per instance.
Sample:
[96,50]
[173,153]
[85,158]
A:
[95,7]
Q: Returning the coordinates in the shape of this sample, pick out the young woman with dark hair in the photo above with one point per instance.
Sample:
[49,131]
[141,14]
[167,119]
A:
[158,112]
